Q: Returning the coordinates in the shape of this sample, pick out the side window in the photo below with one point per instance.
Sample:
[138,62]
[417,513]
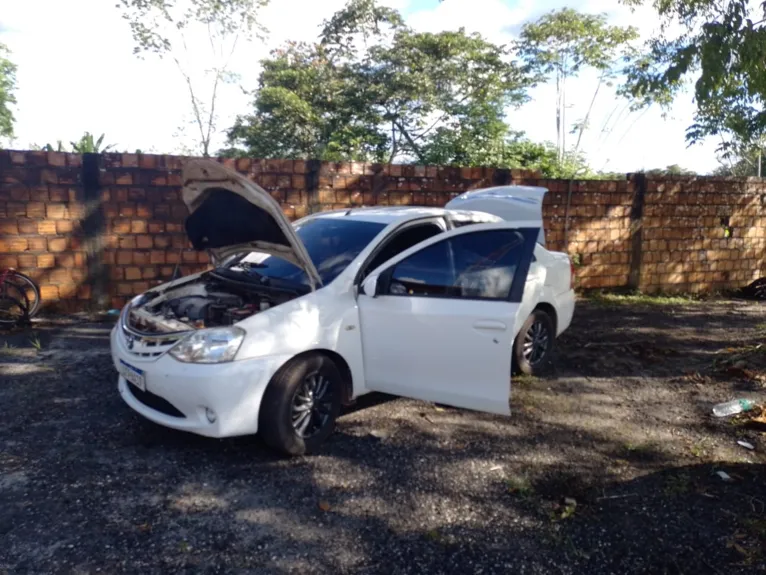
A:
[477,265]
[402,241]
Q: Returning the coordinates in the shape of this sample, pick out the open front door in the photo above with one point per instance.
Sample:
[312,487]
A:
[437,321]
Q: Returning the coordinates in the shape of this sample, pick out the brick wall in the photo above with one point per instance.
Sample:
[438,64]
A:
[96,229]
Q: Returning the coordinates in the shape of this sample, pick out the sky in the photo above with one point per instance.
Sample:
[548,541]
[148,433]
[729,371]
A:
[77,72]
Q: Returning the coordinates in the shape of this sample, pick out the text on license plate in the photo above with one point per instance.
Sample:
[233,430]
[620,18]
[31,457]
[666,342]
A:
[133,375]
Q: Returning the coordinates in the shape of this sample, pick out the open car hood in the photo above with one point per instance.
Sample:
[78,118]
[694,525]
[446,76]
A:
[229,214]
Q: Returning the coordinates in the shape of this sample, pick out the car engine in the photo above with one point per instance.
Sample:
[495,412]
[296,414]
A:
[201,304]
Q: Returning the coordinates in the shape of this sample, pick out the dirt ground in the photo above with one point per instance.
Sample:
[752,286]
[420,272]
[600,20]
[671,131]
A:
[607,465]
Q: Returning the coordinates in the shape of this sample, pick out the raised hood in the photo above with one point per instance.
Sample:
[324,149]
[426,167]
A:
[229,214]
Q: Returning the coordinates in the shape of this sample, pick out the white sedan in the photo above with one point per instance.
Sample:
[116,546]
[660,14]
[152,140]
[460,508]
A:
[296,320]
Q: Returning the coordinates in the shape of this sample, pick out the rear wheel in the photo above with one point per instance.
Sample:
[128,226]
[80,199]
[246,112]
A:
[301,404]
[533,346]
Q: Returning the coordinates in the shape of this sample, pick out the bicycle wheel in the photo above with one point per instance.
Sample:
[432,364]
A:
[29,288]
[13,308]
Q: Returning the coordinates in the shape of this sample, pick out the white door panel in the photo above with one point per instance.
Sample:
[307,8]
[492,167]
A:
[442,350]
[447,342]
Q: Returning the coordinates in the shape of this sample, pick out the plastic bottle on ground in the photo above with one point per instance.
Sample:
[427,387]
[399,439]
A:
[732,407]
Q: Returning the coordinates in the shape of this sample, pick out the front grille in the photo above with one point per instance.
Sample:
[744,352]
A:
[149,345]
[155,402]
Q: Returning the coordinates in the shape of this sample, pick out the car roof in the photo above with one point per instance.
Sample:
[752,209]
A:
[391,214]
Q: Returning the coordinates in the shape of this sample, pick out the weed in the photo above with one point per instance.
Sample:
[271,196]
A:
[36,343]
[520,486]
[638,298]
[677,485]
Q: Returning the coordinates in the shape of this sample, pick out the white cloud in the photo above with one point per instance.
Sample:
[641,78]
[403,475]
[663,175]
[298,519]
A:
[77,72]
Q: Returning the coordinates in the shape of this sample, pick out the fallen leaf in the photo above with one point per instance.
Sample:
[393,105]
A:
[144,527]
[324,506]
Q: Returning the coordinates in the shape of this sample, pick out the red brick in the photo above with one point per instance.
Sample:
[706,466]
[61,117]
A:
[46,227]
[15,209]
[140,258]
[49,293]
[123,179]
[57,159]
[19,193]
[64,226]
[58,193]
[17,245]
[124,257]
[46,261]
[161,241]
[127,242]
[138,226]
[35,210]
[27,260]
[149,273]
[156,227]
[157,257]
[56,211]
[132,273]
[144,242]
[39,194]
[121,226]
[7,261]
[57,244]
[125,289]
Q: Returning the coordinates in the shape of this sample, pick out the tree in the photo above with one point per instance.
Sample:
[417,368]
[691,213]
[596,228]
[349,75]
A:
[722,45]
[561,44]
[671,170]
[161,27]
[7,92]
[371,88]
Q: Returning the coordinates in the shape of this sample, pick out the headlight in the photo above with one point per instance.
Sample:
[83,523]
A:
[215,345]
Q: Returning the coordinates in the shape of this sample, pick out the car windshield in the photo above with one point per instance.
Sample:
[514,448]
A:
[332,244]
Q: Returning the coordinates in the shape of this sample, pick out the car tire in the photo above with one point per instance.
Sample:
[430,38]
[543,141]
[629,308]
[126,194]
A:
[537,331]
[292,396]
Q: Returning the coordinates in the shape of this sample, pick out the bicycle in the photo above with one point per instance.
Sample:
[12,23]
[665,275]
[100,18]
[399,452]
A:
[19,298]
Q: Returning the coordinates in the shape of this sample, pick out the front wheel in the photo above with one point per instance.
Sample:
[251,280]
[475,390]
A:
[301,404]
[534,344]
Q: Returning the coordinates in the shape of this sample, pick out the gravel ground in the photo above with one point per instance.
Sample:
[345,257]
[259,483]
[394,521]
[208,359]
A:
[606,466]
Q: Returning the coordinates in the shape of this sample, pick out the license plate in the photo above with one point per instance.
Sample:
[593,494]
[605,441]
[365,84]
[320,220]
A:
[133,375]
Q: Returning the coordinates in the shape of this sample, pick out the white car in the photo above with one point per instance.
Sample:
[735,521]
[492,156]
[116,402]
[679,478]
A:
[299,319]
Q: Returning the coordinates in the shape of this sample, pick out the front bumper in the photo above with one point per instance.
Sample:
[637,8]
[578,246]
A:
[178,394]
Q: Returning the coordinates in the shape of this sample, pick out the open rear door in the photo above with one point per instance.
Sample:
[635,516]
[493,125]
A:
[438,320]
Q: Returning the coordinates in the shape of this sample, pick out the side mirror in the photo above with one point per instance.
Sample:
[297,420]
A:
[370,286]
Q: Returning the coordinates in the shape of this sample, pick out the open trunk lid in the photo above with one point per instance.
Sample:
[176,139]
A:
[507,202]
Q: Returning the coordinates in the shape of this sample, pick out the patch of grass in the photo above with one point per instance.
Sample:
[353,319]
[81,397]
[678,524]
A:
[677,485]
[520,486]
[7,348]
[36,343]
[523,379]
[613,299]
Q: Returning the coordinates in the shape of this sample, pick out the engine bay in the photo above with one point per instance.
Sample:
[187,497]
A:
[209,301]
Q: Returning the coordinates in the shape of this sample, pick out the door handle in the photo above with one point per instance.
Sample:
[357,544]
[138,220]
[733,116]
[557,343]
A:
[492,324]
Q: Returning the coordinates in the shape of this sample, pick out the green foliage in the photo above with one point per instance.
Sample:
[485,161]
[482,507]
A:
[561,43]
[7,89]
[154,22]
[371,88]
[722,47]
[87,144]
[671,170]
[160,26]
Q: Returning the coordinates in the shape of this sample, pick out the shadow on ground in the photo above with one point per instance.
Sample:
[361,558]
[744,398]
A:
[593,472]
